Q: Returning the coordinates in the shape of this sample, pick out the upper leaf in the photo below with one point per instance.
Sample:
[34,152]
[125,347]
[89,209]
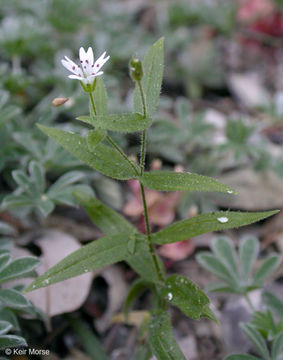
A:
[161,339]
[104,159]
[152,79]
[205,223]
[185,181]
[96,255]
[118,122]
[186,295]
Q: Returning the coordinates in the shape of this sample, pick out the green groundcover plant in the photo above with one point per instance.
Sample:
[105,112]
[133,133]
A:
[235,270]
[122,241]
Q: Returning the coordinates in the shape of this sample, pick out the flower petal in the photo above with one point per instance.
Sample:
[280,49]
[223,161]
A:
[75,77]
[90,55]
[100,62]
[70,65]
[83,55]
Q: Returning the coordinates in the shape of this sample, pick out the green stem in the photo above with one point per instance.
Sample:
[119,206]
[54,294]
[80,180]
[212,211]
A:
[145,209]
[112,142]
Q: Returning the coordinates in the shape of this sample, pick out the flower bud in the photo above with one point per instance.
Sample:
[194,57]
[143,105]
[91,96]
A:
[59,101]
[136,72]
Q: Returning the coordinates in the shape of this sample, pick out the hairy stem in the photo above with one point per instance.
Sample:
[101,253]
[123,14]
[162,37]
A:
[112,142]
[145,210]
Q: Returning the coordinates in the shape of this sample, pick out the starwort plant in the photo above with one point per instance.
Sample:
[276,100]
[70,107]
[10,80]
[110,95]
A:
[122,241]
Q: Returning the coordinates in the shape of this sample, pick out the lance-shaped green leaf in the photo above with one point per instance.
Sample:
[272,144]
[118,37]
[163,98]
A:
[94,137]
[266,268]
[19,268]
[204,223]
[161,339]
[257,339]
[118,122]
[182,181]
[248,253]
[112,223]
[96,255]
[152,79]
[186,295]
[8,341]
[100,98]
[13,299]
[104,159]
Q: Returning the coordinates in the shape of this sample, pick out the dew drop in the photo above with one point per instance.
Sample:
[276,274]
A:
[170,296]
[46,281]
[223,219]
[229,191]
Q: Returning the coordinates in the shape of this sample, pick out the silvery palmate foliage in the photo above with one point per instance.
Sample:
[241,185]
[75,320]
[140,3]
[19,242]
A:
[121,240]
[239,274]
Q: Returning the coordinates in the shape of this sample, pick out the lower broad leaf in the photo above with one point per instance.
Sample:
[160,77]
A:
[96,255]
[161,339]
[111,223]
[5,327]
[187,296]
[204,223]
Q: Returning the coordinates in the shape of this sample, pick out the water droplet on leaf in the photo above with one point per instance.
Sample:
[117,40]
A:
[223,219]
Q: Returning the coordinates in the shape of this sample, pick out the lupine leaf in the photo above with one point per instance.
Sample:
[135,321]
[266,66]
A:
[12,200]
[161,339]
[8,341]
[4,259]
[266,268]
[248,253]
[64,181]
[112,223]
[118,122]
[13,299]
[8,113]
[224,249]
[273,303]
[94,137]
[19,268]
[37,175]
[100,97]
[9,316]
[6,229]
[5,327]
[104,159]
[182,181]
[211,263]
[95,255]
[205,223]
[277,346]
[186,295]
[257,339]
[152,79]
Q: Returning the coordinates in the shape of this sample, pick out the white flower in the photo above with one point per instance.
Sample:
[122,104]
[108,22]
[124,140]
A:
[88,69]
